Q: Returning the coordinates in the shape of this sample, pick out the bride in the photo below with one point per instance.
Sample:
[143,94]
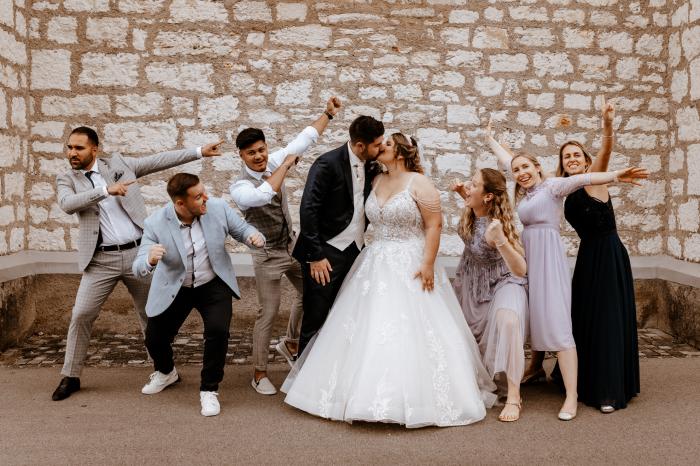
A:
[395,347]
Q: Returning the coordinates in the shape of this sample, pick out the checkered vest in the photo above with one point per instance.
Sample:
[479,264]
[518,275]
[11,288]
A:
[272,220]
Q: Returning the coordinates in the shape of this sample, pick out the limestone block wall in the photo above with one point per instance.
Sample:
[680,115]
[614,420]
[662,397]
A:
[14,124]
[684,158]
[152,75]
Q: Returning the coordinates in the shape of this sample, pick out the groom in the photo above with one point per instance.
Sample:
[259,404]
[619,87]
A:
[332,215]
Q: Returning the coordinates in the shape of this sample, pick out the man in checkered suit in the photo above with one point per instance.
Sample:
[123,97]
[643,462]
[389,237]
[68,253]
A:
[111,211]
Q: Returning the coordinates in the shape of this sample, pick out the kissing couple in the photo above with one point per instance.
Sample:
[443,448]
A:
[383,337]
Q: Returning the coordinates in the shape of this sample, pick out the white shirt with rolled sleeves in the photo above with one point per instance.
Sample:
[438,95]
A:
[246,195]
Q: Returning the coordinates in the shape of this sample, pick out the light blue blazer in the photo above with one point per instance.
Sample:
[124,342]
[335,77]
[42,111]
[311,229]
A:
[163,227]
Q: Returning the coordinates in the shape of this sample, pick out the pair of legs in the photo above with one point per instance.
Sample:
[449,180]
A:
[568,364]
[270,265]
[318,299]
[98,281]
[213,301]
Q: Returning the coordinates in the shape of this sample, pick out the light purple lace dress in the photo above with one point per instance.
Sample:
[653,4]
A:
[494,303]
[548,271]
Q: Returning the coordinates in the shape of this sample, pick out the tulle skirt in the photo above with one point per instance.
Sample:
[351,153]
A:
[391,352]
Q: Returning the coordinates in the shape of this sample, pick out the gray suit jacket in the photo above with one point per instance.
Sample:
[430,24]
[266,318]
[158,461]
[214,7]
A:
[163,227]
[76,194]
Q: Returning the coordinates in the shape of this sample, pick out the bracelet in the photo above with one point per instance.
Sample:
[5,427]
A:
[501,244]
[328,114]
[606,136]
[616,179]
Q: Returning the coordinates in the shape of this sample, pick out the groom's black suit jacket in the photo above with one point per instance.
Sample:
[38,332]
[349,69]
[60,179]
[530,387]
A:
[327,203]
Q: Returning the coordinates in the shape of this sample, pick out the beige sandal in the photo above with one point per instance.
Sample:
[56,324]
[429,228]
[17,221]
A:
[518,404]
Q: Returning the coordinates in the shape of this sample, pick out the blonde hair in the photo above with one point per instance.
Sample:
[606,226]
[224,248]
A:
[519,191]
[498,208]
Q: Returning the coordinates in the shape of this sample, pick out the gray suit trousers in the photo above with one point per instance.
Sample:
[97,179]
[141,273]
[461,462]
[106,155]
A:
[269,266]
[99,279]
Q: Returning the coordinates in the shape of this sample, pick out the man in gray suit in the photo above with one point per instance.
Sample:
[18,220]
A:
[111,211]
[183,248]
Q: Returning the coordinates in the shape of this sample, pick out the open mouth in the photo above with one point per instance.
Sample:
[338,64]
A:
[524,179]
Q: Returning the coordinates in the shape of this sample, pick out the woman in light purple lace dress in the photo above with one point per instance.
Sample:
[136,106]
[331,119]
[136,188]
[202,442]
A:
[490,283]
[539,204]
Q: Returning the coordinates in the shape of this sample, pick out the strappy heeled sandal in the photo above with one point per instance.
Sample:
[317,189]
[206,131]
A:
[537,376]
[518,404]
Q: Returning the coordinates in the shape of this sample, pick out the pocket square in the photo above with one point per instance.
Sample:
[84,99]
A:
[118,175]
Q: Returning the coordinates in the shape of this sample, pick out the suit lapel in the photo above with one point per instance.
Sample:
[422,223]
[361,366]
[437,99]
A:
[174,227]
[347,170]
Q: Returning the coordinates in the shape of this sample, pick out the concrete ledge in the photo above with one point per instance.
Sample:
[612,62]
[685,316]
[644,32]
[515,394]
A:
[28,263]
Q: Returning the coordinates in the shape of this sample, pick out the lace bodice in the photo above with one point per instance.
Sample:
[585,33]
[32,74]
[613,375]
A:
[482,267]
[399,219]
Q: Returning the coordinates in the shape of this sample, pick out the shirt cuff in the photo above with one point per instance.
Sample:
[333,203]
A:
[199,152]
[266,188]
[104,191]
[311,132]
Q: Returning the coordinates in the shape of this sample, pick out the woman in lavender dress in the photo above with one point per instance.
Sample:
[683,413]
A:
[539,202]
[490,283]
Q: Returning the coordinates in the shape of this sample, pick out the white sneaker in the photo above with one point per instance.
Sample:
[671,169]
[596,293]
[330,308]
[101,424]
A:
[159,381]
[210,403]
[282,349]
[264,387]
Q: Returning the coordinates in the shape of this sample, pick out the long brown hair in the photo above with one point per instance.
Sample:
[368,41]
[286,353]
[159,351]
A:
[498,208]
[407,147]
[586,155]
[519,191]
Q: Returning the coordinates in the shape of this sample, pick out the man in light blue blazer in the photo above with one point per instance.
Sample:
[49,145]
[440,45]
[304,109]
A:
[183,249]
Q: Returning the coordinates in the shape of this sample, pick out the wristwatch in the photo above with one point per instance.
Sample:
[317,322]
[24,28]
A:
[328,114]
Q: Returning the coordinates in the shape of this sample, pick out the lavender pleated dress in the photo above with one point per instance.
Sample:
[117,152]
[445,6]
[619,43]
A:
[548,272]
[494,303]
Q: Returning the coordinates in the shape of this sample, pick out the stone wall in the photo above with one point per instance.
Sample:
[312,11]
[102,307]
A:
[152,75]
[684,159]
[14,124]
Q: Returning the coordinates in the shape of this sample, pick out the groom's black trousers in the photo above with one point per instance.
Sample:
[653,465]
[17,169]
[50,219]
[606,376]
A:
[318,299]
[213,300]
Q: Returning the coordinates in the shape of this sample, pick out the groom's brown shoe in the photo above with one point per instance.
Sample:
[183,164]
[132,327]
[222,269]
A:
[67,386]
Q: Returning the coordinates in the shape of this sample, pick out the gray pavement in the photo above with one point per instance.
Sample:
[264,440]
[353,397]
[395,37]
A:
[110,422]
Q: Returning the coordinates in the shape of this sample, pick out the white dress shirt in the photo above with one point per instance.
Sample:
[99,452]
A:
[115,224]
[246,195]
[198,267]
[355,231]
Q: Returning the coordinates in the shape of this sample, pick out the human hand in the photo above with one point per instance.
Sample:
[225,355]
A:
[426,274]
[607,112]
[494,232]
[155,254]
[257,240]
[291,160]
[120,189]
[333,105]
[631,175]
[212,150]
[459,187]
[321,271]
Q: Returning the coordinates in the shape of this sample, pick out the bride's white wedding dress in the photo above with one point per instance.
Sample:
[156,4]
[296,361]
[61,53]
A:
[389,351]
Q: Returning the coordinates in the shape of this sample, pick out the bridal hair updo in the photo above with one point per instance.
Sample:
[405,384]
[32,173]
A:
[498,208]
[407,149]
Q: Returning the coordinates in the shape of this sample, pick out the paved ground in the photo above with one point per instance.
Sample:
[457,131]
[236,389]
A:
[110,422]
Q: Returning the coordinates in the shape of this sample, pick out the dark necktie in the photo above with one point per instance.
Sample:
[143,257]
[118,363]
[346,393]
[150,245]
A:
[89,177]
